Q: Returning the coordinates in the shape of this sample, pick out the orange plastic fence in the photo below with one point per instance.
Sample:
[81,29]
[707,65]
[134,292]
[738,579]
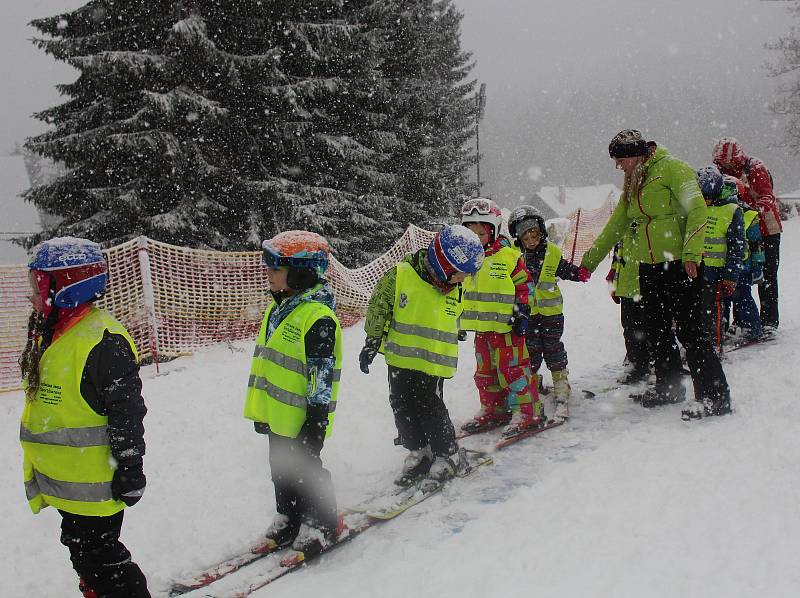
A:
[174,300]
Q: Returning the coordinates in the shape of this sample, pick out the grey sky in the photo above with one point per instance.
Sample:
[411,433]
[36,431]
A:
[523,49]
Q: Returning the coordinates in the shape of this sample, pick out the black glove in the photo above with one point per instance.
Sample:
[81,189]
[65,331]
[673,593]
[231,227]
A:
[368,353]
[519,319]
[313,431]
[128,484]
[462,335]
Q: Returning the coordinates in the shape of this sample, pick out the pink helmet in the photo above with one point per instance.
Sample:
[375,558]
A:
[728,155]
[481,209]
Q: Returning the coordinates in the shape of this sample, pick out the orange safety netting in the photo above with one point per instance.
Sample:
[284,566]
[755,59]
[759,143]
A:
[174,300]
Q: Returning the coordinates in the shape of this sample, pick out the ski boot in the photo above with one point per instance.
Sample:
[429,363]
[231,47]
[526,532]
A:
[487,417]
[86,591]
[280,532]
[312,540]
[416,464]
[522,419]
[561,392]
[658,395]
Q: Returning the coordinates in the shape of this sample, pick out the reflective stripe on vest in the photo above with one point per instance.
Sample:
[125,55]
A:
[423,333]
[750,216]
[67,457]
[547,299]
[277,391]
[719,220]
[490,294]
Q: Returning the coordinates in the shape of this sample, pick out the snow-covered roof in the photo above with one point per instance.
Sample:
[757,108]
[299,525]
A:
[19,216]
[563,200]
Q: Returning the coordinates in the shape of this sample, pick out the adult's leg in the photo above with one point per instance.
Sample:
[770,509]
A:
[632,318]
[658,297]
[99,558]
[768,289]
[708,377]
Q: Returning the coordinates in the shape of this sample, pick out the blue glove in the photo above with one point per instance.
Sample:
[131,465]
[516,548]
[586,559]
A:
[519,319]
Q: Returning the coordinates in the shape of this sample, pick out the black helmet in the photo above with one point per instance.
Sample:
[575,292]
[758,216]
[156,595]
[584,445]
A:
[523,219]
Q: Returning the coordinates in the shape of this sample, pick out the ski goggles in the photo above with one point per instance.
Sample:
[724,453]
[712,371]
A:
[309,260]
[480,205]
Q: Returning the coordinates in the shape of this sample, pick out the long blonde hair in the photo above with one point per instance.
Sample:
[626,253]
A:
[634,180]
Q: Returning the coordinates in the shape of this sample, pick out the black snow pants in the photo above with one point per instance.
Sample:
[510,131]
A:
[303,487]
[420,414]
[669,294]
[768,289]
[100,559]
[632,318]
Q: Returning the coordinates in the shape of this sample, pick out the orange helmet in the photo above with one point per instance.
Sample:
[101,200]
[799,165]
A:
[297,249]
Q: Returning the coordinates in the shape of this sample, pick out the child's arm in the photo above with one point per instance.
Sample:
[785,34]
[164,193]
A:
[523,282]
[735,240]
[320,341]
[575,273]
[381,305]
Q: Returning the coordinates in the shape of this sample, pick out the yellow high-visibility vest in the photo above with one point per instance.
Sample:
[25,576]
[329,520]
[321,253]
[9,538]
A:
[277,392]
[489,295]
[547,299]
[423,333]
[715,248]
[750,216]
[67,456]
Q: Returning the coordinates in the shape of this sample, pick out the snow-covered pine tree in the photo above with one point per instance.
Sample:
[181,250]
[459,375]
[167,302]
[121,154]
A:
[786,69]
[431,104]
[140,133]
[315,126]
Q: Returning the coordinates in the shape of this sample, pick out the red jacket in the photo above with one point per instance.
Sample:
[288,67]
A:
[760,195]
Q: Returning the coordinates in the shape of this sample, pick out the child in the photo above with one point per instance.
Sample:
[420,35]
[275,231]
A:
[496,308]
[546,325]
[414,311]
[81,430]
[745,310]
[293,386]
[723,249]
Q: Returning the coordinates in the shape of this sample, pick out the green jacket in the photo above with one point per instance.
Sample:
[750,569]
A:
[667,221]
[381,303]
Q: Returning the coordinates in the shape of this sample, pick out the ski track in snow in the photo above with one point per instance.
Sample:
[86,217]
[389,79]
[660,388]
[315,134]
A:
[621,501]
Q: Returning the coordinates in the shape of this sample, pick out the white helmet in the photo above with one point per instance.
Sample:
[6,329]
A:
[481,209]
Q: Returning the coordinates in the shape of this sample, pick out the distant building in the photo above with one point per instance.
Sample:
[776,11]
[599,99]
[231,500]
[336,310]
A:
[558,202]
[20,218]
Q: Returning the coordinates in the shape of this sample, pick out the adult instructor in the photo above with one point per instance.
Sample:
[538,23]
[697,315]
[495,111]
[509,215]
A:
[662,208]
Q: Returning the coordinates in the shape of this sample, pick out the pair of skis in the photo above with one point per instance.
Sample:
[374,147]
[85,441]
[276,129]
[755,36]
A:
[352,522]
[509,440]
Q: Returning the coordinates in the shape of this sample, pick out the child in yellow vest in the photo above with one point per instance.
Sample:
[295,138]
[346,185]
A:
[82,423]
[496,308]
[293,386]
[414,311]
[546,325]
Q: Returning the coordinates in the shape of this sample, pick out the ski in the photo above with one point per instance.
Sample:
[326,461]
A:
[219,570]
[504,442]
[481,429]
[750,343]
[294,560]
[400,501]
[366,515]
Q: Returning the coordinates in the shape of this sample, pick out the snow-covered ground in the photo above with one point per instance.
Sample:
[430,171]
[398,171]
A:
[621,502]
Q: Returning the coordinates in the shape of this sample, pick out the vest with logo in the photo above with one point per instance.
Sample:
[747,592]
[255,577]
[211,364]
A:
[715,248]
[547,299]
[277,392]
[67,456]
[423,333]
[490,294]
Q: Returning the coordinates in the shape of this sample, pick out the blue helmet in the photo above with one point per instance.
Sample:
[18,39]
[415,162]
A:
[455,248]
[77,269]
[710,181]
